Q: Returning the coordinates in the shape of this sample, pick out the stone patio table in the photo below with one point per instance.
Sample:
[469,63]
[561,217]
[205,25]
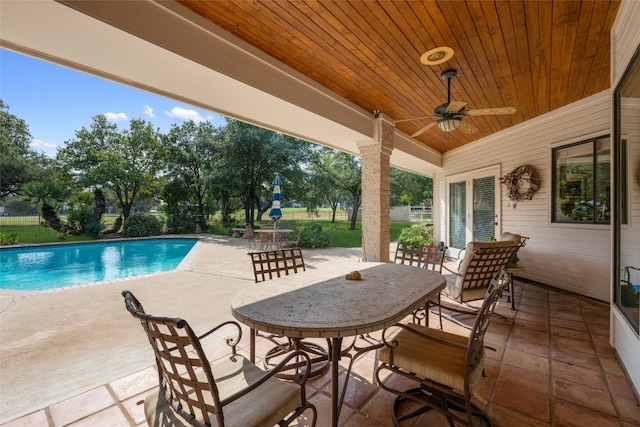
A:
[322,303]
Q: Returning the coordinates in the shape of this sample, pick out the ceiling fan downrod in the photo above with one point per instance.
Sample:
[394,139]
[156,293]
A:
[448,75]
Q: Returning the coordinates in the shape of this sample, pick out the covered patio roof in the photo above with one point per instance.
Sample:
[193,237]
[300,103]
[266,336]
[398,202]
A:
[319,70]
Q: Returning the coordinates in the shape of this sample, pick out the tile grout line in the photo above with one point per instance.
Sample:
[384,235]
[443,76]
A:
[119,404]
[600,365]
[47,413]
[552,406]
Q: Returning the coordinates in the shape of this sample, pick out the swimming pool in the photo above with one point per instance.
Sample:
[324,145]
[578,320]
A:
[56,266]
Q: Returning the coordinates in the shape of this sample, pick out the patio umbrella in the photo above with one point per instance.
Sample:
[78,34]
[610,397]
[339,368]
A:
[275,213]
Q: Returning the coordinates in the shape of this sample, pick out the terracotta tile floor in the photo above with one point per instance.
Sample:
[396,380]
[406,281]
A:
[552,366]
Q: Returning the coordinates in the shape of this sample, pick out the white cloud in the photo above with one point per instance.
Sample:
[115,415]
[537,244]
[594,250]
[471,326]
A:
[148,111]
[38,143]
[48,148]
[116,117]
[184,114]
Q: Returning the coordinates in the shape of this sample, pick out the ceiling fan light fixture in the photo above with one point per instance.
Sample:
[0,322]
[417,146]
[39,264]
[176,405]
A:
[437,55]
[449,125]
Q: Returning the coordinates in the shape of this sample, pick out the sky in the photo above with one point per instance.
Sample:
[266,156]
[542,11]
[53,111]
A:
[55,102]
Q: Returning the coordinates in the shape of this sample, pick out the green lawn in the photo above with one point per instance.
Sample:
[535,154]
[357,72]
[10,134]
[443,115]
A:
[38,234]
[341,236]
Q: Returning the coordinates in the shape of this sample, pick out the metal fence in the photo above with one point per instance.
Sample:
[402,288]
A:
[421,214]
[20,220]
[10,221]
[418,214]
[292,215]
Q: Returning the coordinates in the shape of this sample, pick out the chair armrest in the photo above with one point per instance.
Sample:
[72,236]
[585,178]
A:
[231,341]
[451,271]
[392,343]
[301,378]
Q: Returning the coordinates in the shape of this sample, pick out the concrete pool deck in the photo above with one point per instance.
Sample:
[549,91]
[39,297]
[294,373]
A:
[54,345]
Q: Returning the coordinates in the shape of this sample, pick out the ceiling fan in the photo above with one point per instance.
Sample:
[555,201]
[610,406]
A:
[448,116]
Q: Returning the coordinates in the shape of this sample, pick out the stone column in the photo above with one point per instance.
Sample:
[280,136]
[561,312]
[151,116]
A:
[376,191]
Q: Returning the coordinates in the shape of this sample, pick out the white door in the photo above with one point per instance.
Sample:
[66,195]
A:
[472,207]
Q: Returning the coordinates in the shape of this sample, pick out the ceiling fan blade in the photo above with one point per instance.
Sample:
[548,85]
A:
[467,128]
[415,118]
[455,106]
[424,129]
[491,111]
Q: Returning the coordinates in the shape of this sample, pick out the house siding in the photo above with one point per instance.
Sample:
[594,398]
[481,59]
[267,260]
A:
[573,257]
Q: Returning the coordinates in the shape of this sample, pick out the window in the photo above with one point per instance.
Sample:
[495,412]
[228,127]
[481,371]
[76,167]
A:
[626,234]
[582,191]
[457,214]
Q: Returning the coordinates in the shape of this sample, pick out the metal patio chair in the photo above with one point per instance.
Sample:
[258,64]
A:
[430,257]
[230,391]
[482,262]
[268,265]
[291,240]
[445,367]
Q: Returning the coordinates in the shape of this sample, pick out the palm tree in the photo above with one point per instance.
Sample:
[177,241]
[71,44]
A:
[46,194]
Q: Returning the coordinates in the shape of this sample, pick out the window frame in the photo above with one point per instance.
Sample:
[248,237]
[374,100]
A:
[623,213]
[579,189]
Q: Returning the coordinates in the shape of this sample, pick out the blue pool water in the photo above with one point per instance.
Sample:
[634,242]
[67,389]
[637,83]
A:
[48,267]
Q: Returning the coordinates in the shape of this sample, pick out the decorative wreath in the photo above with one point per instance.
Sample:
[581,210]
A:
[522,183]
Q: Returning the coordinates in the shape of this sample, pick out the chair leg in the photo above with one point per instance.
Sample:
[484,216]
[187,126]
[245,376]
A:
[442,402]
[428,310]
[440,311]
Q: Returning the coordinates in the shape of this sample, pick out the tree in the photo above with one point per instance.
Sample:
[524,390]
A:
[410,189]
[81,213]
[46,194]
[190,163]
[321,187]
[251,156]
[125,162]
[18,163]
[345,172]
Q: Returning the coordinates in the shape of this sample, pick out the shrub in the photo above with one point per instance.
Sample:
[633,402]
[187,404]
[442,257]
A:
[416,234]
[180,222]
[140,225]
[9,239]
[78,219]
[93,228]
[312,236]
[218,227]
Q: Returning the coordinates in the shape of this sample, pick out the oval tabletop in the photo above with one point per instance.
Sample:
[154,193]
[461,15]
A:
[323,303]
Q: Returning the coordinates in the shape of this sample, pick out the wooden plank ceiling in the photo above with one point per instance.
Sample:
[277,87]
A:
[536,56]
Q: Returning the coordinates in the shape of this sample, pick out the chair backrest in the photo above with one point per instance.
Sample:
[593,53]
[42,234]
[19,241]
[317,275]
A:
[482,262]
[270,264]
[519,240]
[507,236]
[269,241]
[426,256]
[291,240]
[433,257]
[185,376]
[408,254]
